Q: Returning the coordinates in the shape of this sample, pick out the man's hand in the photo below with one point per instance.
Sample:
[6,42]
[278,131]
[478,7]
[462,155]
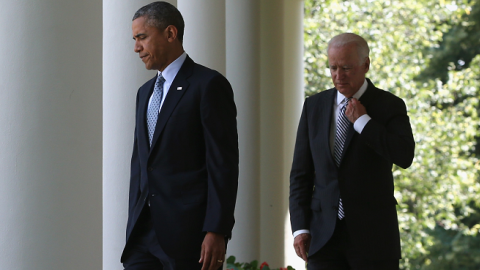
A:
[213,251]
[354,110]
[301,243]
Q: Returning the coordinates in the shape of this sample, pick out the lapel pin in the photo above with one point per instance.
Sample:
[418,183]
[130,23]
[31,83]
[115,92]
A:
[179,88]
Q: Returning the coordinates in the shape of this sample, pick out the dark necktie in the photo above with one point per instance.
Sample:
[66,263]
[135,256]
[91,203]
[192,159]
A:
[154,107]
[341,134]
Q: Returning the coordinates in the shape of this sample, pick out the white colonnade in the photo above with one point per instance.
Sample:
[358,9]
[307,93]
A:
[51,135]
[56,78]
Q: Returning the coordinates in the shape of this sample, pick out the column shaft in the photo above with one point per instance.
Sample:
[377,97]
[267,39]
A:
[50,114]
[243,71]
[272,200]
[293,96]
[205,32]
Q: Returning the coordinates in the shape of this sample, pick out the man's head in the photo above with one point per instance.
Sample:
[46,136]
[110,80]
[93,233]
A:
[348,59]
[158,33]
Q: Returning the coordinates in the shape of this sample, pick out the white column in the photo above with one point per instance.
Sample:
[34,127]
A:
[204,39]
[293,96]
[243,72]
[273,202]
[281,101]
[123,74]
[50,144]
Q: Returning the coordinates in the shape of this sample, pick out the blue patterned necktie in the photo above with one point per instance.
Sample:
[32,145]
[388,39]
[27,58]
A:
[341,134]
[154,106]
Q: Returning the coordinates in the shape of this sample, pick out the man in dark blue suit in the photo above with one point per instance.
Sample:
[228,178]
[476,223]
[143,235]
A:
[342,208]
[184,168]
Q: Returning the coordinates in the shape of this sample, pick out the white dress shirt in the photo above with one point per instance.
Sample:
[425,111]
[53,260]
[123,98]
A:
[359,124]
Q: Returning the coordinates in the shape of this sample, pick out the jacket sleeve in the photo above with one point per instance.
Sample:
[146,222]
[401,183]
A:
[392,139]
[135,176]
[218,116]
[301,177]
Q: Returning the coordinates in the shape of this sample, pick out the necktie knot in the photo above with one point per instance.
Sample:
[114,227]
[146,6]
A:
[160,81]
[345,102]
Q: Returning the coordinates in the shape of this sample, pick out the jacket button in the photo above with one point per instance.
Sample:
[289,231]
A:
[150,169]
[153,195]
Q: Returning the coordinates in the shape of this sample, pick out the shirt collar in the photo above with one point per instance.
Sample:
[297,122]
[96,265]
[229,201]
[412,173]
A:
[171,70]
[357,95]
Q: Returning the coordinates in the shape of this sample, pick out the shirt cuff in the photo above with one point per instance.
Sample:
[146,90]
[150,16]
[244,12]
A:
[297,233]
[361,123]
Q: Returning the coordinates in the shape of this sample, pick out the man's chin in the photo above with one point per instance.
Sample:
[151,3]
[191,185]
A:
[343,89]
[148,66]
[346,91]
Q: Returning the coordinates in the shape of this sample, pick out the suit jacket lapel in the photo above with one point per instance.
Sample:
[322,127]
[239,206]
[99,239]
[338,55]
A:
[173,97]
[143,106]
[327,123]
[365,99]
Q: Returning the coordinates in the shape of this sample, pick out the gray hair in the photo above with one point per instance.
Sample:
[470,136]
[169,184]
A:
[162,14]
[349,38]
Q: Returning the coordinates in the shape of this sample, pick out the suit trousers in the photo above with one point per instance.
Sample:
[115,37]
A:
[335,255]
[143,252]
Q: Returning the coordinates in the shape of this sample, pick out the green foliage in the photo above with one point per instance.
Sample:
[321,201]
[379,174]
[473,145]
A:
[232,265]
[458,46]
[452,250]
[439,195]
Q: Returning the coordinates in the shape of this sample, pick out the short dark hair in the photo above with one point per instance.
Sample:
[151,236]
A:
[162,14]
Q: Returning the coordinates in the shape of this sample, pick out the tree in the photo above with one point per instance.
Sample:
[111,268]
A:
[439,195]
[459,45]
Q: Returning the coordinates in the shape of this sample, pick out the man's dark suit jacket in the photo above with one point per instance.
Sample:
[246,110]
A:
[190,173]
[363,180]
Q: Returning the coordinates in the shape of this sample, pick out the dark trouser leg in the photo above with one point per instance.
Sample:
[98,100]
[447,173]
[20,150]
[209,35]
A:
[143,250]
[375,265]
[145,253]
[332,256]
[189,265]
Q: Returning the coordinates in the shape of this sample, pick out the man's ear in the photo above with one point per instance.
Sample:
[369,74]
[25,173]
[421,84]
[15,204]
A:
[171,33]
[367,64]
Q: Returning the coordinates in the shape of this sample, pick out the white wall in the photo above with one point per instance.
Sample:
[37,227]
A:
[50,139]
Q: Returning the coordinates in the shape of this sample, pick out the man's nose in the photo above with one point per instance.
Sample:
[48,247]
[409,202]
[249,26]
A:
[137,47]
